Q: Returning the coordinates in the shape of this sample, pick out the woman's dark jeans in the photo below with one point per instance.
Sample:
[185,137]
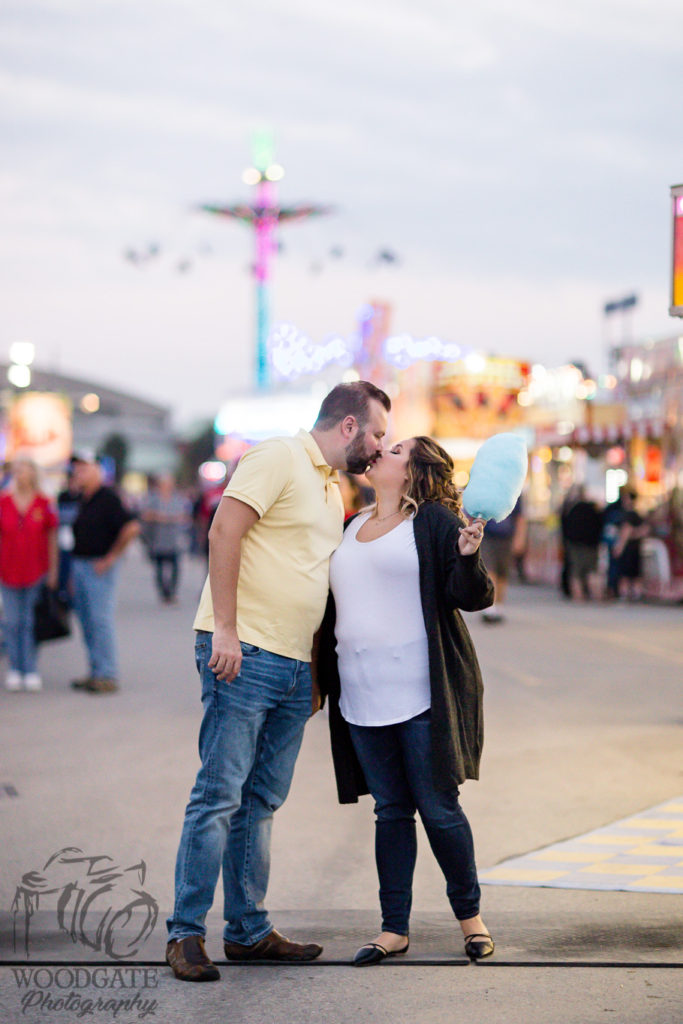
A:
[396,762]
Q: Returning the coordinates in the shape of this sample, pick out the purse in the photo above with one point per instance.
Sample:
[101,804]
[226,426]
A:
[51,619]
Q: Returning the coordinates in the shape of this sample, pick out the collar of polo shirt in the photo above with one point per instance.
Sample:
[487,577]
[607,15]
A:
[317,457]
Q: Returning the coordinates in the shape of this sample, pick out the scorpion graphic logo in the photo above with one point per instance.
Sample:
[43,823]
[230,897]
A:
[95,903]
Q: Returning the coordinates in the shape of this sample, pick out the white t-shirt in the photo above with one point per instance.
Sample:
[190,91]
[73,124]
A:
[381,638]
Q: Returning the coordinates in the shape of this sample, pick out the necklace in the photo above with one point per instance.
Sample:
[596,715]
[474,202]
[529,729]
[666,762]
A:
[380,519]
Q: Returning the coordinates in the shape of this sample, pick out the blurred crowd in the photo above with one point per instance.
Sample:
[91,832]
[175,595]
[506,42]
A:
[59,557]
[602,545]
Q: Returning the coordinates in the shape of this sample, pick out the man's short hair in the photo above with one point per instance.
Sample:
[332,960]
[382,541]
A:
[350,400]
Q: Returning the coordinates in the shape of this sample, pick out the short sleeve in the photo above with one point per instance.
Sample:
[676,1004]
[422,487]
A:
[261,475]
[118,514]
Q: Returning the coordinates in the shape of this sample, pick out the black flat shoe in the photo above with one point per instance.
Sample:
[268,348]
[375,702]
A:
[478,947]
[373,953]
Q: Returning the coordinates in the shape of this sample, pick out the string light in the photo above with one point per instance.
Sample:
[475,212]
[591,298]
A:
[403,349]
[293,354]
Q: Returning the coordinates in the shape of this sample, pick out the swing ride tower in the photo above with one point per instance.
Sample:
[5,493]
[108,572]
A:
[264,215]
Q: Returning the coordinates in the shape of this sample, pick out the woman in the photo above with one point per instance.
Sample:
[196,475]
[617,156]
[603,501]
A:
[28,556]
[403,681]
[627,549]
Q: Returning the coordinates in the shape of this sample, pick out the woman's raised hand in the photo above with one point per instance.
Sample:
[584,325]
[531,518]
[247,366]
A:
[470,537]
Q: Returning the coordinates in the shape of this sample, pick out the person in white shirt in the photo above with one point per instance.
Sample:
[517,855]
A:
[403,681]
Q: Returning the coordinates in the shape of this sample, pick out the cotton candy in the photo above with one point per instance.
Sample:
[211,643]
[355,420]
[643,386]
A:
[496,478]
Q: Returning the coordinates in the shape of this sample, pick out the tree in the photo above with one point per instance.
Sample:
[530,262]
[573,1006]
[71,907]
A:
[116,447]
[198,449]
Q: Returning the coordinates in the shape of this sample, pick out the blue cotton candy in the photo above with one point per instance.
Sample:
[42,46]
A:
[496,478]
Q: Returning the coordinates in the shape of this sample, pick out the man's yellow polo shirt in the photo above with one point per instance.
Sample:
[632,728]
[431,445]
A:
[284,569]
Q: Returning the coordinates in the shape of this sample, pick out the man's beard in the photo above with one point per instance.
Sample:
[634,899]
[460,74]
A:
[357,458]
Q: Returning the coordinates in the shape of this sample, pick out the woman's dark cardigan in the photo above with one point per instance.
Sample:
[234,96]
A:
[448,581]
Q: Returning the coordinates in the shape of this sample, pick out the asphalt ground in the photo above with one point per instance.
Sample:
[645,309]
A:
[584,711]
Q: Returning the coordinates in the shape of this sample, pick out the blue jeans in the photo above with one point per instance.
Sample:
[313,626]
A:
[248,744]
[396,762]
[95,604]
[64,579]
[18,604]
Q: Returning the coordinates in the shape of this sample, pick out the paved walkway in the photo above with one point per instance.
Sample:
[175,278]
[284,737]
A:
[583,730]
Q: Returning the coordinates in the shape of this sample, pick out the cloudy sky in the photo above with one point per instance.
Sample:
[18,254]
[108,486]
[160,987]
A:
[517,158]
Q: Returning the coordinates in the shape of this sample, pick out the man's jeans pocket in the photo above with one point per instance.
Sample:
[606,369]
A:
[249,649]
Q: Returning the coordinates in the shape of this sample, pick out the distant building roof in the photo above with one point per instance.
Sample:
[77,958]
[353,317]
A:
[112,401]
[144,426]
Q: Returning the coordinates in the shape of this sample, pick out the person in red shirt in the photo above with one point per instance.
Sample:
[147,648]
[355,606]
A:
[28,557]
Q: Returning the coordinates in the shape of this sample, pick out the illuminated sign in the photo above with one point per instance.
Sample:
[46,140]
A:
[403,350]
[476,396]
[40,428]
[273,415]
[293,354]
[676,308]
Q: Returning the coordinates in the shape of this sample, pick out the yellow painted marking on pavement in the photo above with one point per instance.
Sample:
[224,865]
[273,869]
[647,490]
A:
[607,840]
[662,823]
[672,808]
[656,850]
[570,856]
[602,868]
[523,874]
[662,882]
[609,858]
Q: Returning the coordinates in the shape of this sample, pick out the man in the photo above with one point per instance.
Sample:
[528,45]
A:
[278,522]
[502,541]
[582,524]
[166,516]
[102,530]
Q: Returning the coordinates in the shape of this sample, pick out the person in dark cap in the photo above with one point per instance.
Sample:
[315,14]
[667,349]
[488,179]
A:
[102,530]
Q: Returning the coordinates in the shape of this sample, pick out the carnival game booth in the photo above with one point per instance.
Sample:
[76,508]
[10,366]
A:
[607,455]
[650,385]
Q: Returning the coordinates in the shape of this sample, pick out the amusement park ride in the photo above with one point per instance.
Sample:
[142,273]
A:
[264,215]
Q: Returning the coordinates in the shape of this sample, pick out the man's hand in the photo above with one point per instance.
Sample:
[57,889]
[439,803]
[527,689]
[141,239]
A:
[126,534]
[226,654]
[316,700]
[102,565]
[233,519]
[470,537]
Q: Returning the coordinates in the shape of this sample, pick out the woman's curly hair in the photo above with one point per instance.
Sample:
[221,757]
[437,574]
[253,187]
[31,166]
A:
[430,477]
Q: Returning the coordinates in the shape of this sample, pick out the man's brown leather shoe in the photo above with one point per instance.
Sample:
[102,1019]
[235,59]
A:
[273,947]
[188,960]
[101,685]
